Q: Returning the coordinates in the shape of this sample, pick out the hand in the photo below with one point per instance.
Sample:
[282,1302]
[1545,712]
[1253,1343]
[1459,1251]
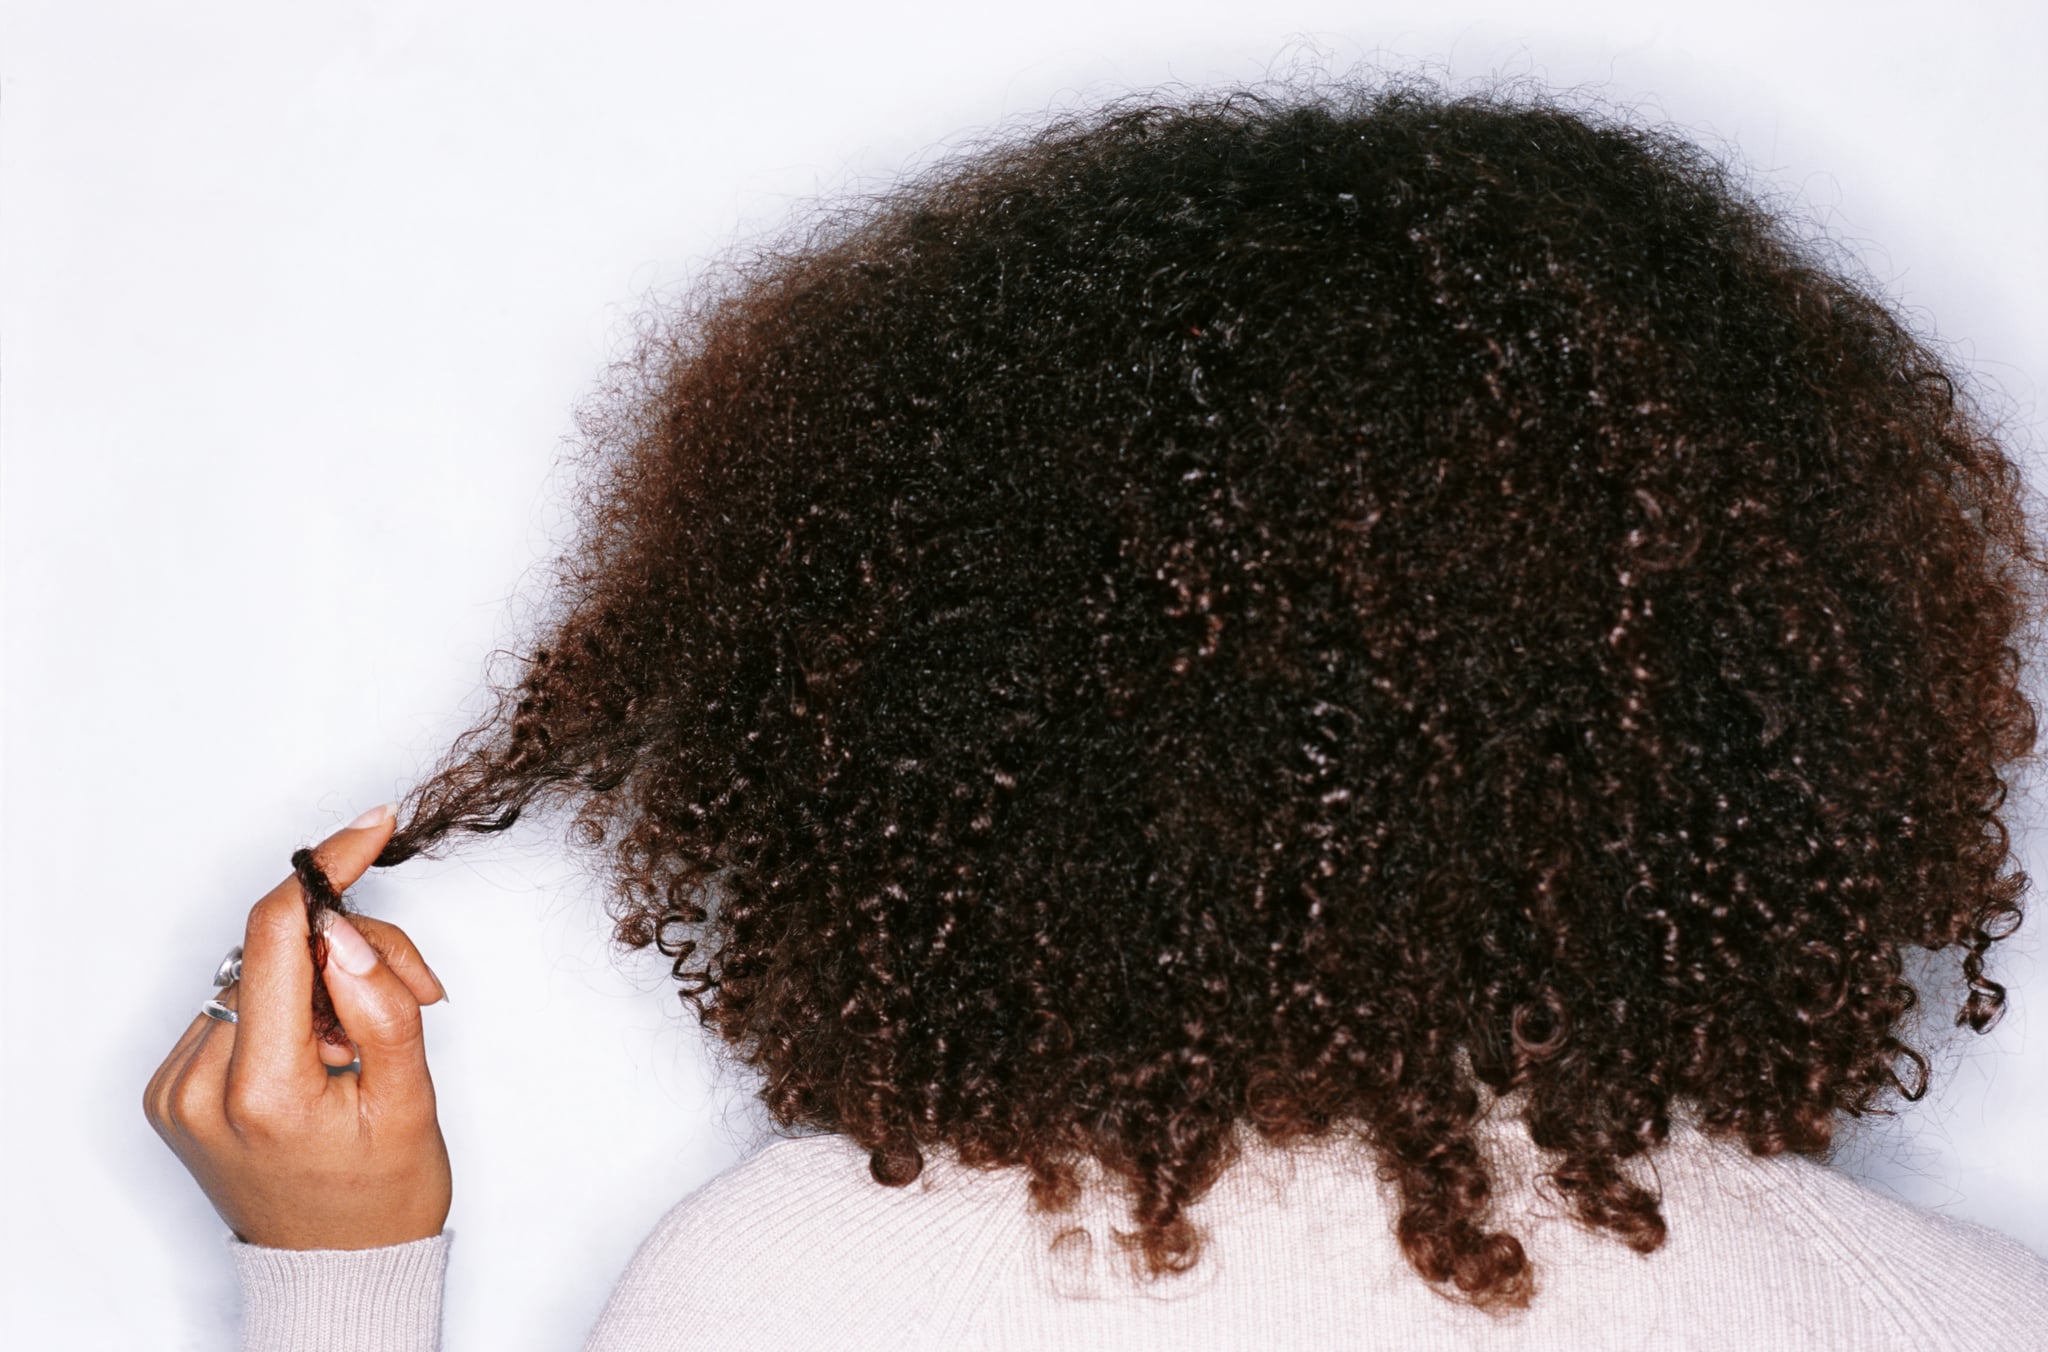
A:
[292,1155]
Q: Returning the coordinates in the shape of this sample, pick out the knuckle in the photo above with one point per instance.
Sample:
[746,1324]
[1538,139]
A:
[187,1102]
[402,1026]
[252,1109]
[279,916]
[393,1029]
[156,1100]
[389,940]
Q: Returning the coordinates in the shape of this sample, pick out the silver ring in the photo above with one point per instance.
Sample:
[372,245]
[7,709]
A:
[230,970]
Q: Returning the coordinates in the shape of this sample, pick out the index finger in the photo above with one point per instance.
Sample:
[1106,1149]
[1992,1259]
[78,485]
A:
[274,1044]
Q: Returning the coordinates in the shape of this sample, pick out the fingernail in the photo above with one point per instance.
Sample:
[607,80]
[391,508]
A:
[348,949]
[437,980]
[376,816]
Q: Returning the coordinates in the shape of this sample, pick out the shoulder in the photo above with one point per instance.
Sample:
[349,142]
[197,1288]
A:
[1950,1258]
[768,1190]
[798,1245]
[818,1189]
[1805,1234]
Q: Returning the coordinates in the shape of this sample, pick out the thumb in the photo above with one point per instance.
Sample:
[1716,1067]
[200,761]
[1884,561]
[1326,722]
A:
[347,854]
[377,1010]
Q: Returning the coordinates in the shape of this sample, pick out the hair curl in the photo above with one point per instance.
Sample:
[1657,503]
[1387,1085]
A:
[1278,608]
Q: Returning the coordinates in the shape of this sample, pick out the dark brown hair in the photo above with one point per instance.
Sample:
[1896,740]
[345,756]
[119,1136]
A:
[1263,607]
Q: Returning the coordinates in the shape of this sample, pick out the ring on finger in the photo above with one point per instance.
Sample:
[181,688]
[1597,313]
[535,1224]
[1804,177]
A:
[229,971]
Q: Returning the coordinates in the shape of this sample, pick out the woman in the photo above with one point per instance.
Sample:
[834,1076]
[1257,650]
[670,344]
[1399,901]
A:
[1259,713]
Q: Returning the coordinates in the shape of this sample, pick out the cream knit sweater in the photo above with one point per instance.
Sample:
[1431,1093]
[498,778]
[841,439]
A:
[796,1247]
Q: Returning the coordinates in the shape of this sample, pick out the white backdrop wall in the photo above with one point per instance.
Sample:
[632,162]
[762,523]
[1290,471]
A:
[297,301]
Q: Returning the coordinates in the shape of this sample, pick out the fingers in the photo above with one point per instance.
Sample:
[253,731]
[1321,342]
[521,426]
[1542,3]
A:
[402,956]
[349,852]
[274,1038]
[186,1093]
[395,947]
[398,952]
[381,1016]
[162,1102]
[336,1054]
[273,1046]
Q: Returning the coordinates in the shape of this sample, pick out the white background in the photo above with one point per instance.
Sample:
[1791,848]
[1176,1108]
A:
[297,301]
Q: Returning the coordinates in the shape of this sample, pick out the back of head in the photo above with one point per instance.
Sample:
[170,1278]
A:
[1275,609]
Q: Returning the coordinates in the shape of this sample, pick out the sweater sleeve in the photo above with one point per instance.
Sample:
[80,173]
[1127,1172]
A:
[342,1300]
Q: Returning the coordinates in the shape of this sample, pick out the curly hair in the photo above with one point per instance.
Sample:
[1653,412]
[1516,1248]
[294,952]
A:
[1278,608]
